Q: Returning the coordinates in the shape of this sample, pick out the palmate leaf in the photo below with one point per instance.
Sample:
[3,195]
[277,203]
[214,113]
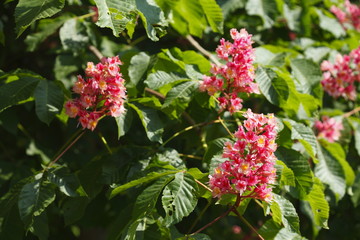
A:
[179,198]
[213,14]
[148,178]
[28,11]
[160,79]
[150,120]
[284,212]
[318,204]
[274,88]
[33,199]
[49,99]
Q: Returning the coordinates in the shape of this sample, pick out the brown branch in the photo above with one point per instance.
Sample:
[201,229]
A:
[202,50]
[247,223]
[348,114]
[96,52]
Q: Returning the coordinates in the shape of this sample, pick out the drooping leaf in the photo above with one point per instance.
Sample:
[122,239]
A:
[40,228]
[49,99]
[265,9]
[28,11]
[16,91]
[287,176]
[115,15]
[73,36]
[179,198]
[148,178]
[330,171]
[179,97]
[150,120]
[299,165]
[274,88]
[318,204]
[138,66]
[33,199]
[283,211]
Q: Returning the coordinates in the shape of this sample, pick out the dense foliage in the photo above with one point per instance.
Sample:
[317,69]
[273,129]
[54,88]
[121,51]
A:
[256,135]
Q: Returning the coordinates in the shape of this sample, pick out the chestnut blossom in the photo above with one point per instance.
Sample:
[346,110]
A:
[339,78]
[348,16]
[101,93]
[328,128]
[249,170]
[234,77]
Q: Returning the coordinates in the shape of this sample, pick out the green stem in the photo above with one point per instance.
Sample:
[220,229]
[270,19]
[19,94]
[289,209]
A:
[226,128]
[86,15]
[105,142]
[247,223]
[66,149]
[203,185]
[190,156]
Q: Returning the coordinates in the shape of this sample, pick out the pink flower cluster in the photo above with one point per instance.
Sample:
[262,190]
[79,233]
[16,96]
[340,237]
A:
[102,93]
[339,78]
[349,17]
[236,76]
[250,168]
[328,128]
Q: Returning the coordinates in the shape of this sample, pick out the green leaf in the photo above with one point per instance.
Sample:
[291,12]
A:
[148,178]
[179,198]
[123,122]
[169,157]
[139,65]
[266,9]
[292,17]
[274,88]
[74,209]
[33,199]
[267,58]
[318,204]
[11,226]
[65,64]
[146,201]
[287,176]
[73,36]
[152,17]
[269,229]
[355,198]
[49,99]
[304,134]
[330,171]
[115,15]
[46,28]
[213,14]
[330,24]
[67,182]
[28,11]
[300,166]
[16,91]
[40,227]
[151,122]
[160,78]
[179,97]
[355,123]
[283,211]
[307,77]
[286,234]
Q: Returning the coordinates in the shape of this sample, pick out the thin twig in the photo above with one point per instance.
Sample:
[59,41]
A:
[96,52]
[348,114]
[247,223]
[203,185]
[190,156]
[226,128]
[105,142]
[202,50]
[155,93]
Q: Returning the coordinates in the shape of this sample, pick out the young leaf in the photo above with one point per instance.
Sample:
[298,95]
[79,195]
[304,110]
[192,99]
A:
[16,91]
[151,122]
[115,15]
[28,11]
[49,99]
[283,211]
[179,198]
[33,199]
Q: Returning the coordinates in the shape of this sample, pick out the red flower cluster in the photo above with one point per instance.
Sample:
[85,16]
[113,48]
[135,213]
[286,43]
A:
[250,168]
[102,93]
[349,17]
[237,75]
[339,78]
[329,128]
